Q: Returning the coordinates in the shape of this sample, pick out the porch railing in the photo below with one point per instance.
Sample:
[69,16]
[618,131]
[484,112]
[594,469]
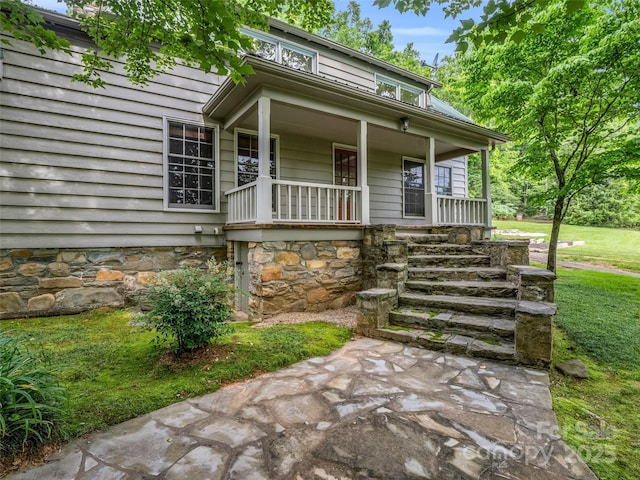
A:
[242,204]
[298,202]
[461,211]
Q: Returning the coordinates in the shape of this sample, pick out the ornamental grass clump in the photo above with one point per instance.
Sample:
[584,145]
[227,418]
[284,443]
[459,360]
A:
[31,400]
[191,307]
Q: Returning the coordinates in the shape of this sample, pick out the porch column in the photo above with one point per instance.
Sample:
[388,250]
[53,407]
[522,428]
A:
[486,183]
[362,172]
[264,182]
[431,200]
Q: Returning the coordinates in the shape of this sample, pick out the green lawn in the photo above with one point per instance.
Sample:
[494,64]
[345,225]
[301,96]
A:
[603,246]
[113,372]
[599,322]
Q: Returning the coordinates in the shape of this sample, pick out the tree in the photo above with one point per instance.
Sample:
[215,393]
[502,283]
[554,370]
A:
[500,20]
[568,95]
[153,35]
[348,28]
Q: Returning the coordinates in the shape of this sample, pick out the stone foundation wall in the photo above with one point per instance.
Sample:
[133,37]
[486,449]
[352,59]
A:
[43,282]
[303,276]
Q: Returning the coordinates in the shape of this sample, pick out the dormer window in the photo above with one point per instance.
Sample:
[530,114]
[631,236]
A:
[386,87]
[285,53]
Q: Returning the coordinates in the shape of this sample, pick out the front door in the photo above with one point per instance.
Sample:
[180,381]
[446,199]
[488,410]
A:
[241,262]
[413,183]
[345,167]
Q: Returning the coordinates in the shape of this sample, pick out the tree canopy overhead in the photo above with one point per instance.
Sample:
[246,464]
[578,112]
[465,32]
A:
[150,36]
[570,95]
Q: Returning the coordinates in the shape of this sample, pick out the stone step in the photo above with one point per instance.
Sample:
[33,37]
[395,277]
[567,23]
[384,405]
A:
[441,249]
[468,273]
[453,261]
[465,288]
[421,237]
[478,326]
[501,307]
[451,343]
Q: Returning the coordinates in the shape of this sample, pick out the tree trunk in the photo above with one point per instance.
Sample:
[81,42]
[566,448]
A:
[558,214]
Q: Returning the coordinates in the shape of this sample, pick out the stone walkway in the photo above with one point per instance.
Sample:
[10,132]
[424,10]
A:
[372,409]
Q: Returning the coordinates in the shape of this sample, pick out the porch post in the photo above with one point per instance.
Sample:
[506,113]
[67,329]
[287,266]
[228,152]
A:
[431,200]
[362,172]
[486,183]
[264,182]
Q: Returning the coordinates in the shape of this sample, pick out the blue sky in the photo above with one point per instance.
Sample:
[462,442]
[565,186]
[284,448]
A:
[428,33]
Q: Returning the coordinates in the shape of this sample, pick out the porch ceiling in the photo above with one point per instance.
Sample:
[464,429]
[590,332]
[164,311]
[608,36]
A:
[286,118]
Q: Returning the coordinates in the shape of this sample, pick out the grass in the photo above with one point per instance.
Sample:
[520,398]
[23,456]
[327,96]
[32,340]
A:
[113,372]
[599,322]
[603,246]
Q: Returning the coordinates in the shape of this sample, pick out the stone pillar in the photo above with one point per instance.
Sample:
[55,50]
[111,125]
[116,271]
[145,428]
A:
[392,276]
[374,306]
[534,284]
[534,333]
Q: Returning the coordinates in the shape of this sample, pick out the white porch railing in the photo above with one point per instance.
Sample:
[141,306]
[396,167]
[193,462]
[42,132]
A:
[242,202]
[461,211]
[298,202]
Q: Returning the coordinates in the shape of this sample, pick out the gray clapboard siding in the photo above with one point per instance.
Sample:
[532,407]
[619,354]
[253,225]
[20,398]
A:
[458,175]
[70,136]
[79,175]
[79,189]
[80,240]
[12,145]
[88,227]
[120,126]
[135,165]
[19,199]
[83,167]
[343,72]
[181,76]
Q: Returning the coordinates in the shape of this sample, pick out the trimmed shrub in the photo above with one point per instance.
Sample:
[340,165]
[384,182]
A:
[30,399]
[190,307]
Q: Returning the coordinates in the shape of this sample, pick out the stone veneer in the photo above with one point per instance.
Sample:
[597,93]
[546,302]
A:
[36,282]
[303,276]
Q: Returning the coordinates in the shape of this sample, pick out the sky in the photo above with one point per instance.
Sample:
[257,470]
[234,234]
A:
[428,33]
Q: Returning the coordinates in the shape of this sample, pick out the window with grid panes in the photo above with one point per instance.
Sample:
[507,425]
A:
[443,180]
[248,157]
[191,166]
[346,167]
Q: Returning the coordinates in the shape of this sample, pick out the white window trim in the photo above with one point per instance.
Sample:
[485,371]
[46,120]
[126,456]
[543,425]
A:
[421,93]
[165,165]
[235,152]
[342,146]
[450,168]
[265,37]
[424,178]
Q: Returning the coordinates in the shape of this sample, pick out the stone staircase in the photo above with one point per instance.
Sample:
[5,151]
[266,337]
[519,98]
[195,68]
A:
[460,298]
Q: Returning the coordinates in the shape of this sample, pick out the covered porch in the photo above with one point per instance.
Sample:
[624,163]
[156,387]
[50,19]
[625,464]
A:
[343,156]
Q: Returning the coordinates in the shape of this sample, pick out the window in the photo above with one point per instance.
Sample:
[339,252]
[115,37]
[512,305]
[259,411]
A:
[345,167]
[413,187]
[190,162]
[247,158]
[388,88]
[443,180]
[276,50]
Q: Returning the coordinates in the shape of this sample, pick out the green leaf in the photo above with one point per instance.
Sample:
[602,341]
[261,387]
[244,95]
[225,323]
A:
[518,36]
[572,6]
[468,23]
[462,47]
[538,27]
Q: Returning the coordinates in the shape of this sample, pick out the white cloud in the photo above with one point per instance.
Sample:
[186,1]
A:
[419,31]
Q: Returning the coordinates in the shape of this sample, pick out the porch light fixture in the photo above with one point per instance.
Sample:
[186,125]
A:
[404,124]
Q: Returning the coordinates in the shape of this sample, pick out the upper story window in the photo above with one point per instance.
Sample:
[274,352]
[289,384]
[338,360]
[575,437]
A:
[386,87]
[288,54]
[190,166]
